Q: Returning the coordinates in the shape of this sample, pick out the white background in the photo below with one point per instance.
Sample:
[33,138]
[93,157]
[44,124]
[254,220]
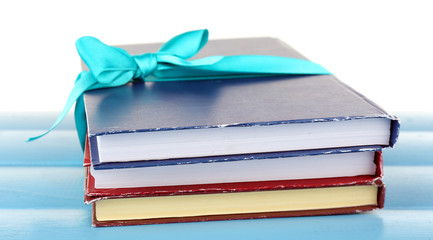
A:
[383,49]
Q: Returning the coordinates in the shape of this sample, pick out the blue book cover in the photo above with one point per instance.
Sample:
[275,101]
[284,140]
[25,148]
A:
[226,104]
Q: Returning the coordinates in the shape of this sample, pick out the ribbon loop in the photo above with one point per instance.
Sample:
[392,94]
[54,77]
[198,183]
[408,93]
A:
[186,45]
[107,64]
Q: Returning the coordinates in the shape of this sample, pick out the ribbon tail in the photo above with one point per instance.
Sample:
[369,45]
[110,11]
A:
[233,67]
[84,81]
[266,64]
[80,121]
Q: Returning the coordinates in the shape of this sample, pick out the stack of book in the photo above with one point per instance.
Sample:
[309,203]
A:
[259,147]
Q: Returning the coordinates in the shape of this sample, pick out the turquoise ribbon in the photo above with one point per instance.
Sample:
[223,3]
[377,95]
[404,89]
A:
[113,67]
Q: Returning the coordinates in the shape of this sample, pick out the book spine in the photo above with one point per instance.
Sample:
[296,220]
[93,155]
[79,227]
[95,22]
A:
[395,122]
[87,161]
[93,148]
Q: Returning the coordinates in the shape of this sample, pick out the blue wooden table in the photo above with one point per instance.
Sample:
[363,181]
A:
[41,193]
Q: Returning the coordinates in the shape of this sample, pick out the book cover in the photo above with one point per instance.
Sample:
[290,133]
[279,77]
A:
[226,105]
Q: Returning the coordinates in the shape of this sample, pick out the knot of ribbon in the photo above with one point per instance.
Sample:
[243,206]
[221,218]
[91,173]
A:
[113,67]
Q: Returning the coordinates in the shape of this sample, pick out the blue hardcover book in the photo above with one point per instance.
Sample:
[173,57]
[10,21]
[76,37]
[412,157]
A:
[213,119]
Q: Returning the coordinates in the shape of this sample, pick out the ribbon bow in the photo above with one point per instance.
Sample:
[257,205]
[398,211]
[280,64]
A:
[113,67]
